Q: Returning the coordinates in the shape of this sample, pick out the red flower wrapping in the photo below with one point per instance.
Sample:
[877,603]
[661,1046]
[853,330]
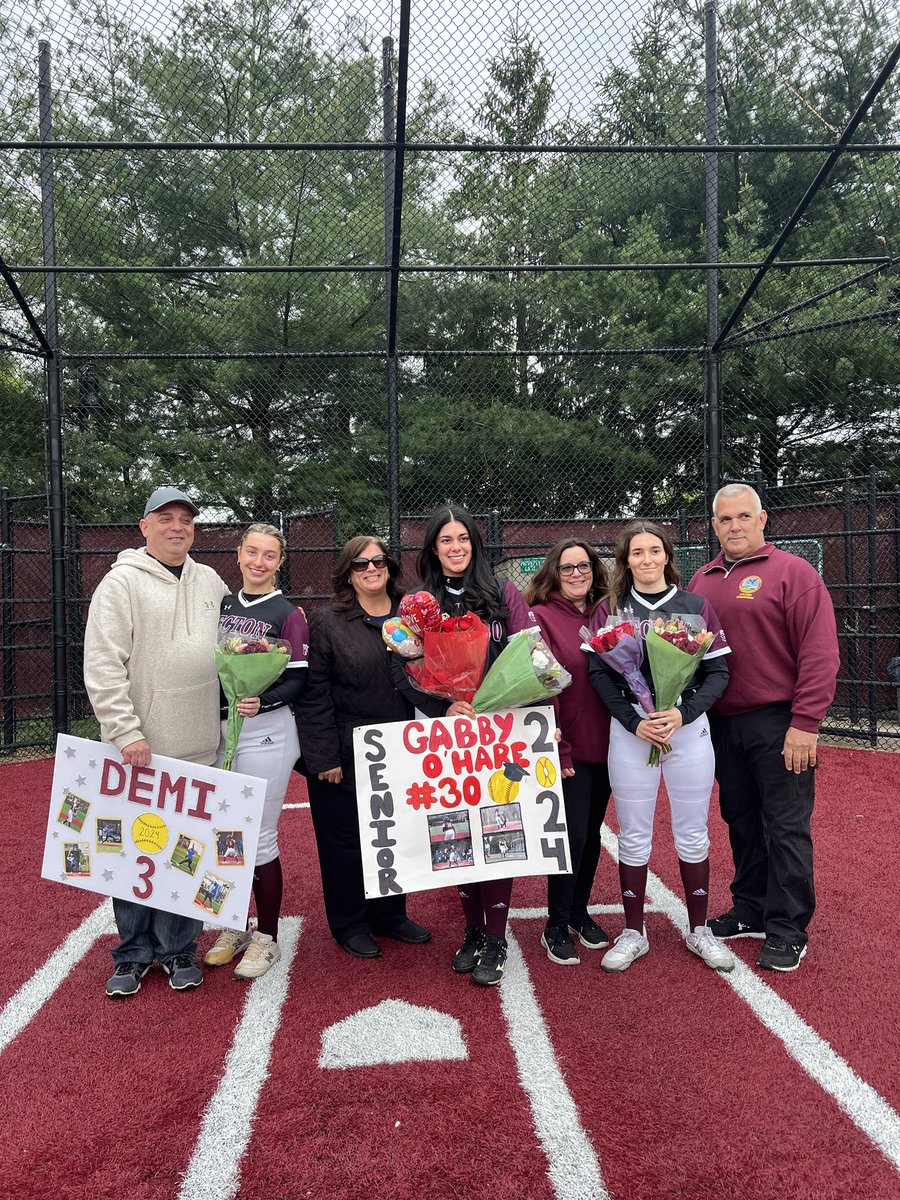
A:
[420,612]
[454,661]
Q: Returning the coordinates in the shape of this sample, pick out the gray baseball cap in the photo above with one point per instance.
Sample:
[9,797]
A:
[169,495]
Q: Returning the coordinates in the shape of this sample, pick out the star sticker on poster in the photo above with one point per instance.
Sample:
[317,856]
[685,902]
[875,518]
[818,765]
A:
[224,806]
[107,875]
[246,791]
[81,781]
[92,763]
[70,751]
[176,896]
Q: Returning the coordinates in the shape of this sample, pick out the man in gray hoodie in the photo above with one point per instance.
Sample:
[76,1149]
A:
[150,674]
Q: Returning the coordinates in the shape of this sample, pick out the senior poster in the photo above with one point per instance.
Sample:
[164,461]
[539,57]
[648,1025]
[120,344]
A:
[173,835]
[454,799]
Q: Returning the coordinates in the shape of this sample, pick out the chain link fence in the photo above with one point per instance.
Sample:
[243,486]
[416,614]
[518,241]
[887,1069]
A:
[333,265]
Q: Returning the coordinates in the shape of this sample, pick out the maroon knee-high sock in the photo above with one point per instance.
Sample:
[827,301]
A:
[633,881]
[472,905]
[495,896]
[486,905]
[268,885]
[695,877]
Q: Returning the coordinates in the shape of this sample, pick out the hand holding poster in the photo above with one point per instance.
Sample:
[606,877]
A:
[456,799]
[174,835]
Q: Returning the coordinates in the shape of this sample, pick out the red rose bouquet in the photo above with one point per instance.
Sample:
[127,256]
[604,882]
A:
[454,658]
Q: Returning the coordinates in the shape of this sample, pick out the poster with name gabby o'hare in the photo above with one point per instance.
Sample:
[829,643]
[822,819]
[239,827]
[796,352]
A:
[173,835]
[456,799]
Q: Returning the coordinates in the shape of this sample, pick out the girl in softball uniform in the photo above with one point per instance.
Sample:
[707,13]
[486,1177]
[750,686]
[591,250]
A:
[268,746]
[644,587]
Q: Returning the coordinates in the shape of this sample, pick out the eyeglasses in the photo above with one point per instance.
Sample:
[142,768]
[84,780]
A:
[362,564]
[583,568]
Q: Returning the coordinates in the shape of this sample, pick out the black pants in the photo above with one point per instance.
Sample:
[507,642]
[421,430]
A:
[768,810]
[334,814]
[585,797]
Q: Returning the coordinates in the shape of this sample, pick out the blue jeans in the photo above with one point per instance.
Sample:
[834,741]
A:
[149,933]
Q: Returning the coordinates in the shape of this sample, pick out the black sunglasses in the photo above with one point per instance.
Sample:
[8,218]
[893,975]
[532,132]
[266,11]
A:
[362,564]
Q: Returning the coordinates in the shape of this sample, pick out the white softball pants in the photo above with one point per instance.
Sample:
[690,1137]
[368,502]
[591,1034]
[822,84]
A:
[688,772]
[268,748]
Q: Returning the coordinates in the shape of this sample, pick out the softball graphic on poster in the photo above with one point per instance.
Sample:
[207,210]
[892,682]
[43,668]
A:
[173,835]
[455,799]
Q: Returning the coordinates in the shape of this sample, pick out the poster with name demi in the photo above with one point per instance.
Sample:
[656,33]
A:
[173,835]
[457,799]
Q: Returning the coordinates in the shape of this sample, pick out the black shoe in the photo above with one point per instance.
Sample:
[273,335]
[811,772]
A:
[362,945]
[778,954]
[491,963]
[731,926]
[126,979]
[467,956]
[559,946]
[407,931]
[591,935]
[183,972]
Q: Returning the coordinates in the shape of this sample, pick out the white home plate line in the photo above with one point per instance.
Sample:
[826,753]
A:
[214,1170]
[36,991]
[572,1163]
[865,1107]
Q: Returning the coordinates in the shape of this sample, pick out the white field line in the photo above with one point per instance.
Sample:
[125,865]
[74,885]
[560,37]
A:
[572,1163]
[36,991]
[865,1107]
[214,1170]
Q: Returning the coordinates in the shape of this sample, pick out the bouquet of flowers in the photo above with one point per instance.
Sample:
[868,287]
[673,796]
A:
[620,648]
[525,673]
[454,656]
[246,666]
[675,645]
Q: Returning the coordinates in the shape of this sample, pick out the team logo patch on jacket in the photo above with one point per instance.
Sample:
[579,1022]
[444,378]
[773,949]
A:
[748,587]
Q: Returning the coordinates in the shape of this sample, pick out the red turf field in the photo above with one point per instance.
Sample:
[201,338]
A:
[344,1080]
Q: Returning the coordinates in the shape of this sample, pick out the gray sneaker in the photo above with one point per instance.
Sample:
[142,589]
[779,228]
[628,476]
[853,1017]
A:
[183,972]
[126,979]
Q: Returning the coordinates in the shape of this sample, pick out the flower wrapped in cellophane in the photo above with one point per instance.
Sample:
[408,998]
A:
[453,663]
[675,645]
[621,649]
[246,666]
[525,672]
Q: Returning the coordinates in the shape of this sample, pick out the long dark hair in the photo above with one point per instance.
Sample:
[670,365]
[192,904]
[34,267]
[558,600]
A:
[547,578]
[343,595]
[483,594]
[623,580]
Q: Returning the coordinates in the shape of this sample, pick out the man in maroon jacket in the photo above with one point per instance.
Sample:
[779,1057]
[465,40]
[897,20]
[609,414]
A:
[780,624]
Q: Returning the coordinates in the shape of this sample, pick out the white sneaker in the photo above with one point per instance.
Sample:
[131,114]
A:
[228,945]
[628,946]
[707,946]
[261,954]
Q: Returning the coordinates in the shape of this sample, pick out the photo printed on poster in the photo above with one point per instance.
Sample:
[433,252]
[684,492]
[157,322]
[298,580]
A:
[456,798]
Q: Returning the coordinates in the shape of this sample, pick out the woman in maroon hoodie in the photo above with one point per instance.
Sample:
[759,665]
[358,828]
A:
[563,596]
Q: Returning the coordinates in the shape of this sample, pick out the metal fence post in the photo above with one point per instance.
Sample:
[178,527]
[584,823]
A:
[54,406]
[6,622]
[712,360]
